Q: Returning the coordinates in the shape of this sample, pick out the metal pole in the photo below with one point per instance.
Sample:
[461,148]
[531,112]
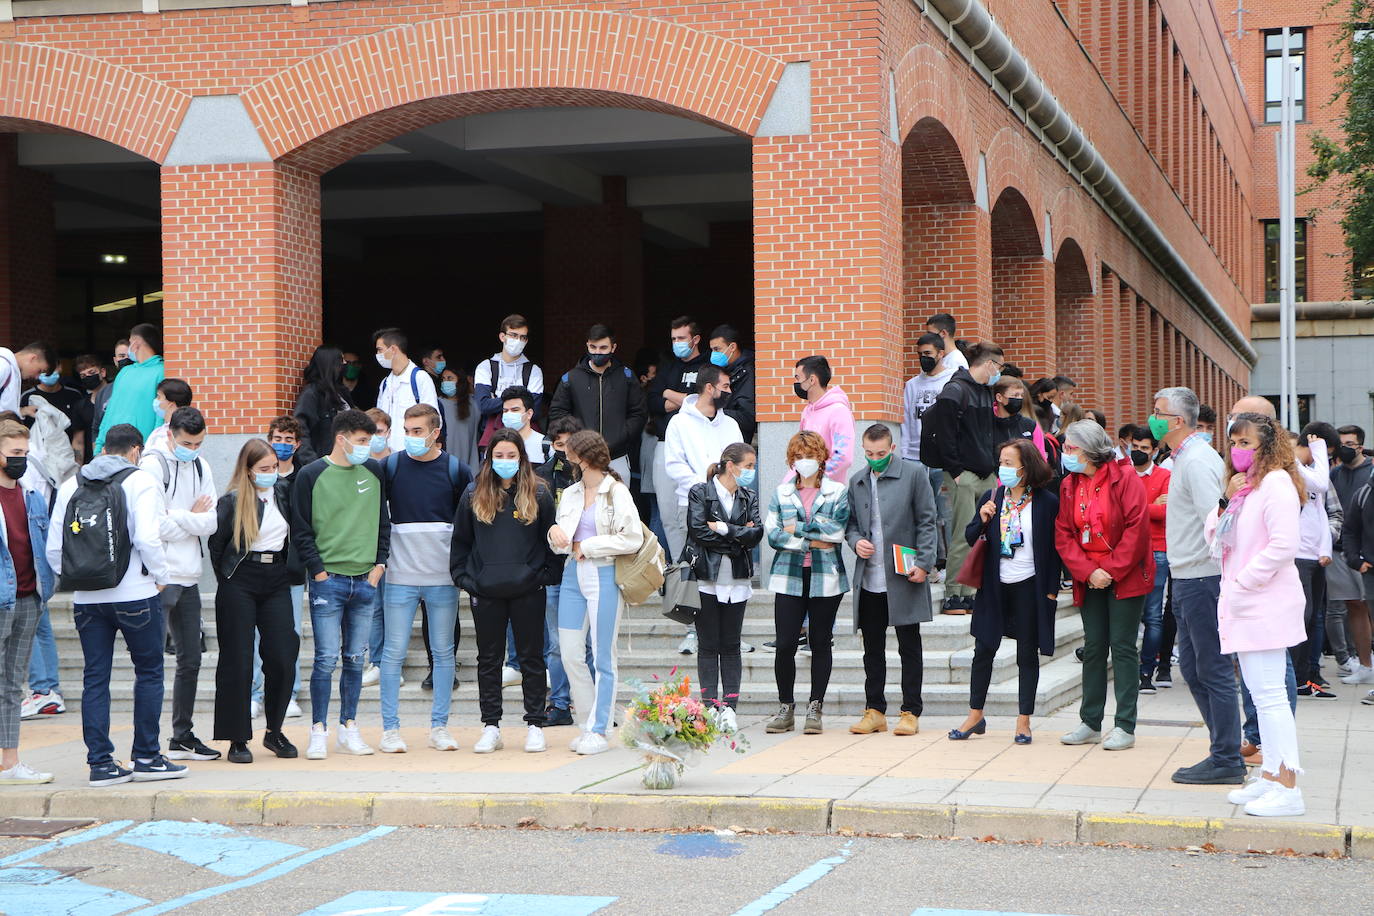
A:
[1287,309]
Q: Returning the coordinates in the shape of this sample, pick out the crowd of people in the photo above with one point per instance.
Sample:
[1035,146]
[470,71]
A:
[1249,550]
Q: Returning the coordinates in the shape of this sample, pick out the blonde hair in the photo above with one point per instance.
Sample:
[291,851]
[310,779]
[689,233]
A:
[246,493]
[13,429]
[488,496]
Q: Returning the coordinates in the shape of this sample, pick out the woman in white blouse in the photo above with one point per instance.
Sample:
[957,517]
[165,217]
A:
[248,552]
[723,528]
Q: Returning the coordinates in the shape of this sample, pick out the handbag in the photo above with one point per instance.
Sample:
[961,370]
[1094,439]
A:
[640,574]
[971,574]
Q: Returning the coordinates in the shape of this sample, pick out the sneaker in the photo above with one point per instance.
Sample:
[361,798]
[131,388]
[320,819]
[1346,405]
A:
[784,720]
[293,710]
[441,740]
[688,646]
[1164,679]
[1305,690]
[21,774]
[428,682]
[1359,674]
[1255,787]
[1118,740]
[348,741]
[1207,773]
[1081,735]
[1345,667]
[555,716]
[1277,802]
[158,768]
[278,744]
[49,704]
[813,719]
[109,774]
[575,743]
[746,646]
[511,677]
[1368,699]
[190,748]
[1078,654]
[1146,685]
[490,740]
[239,752]
[319,743]
[727,720]
[28,709]
[803,643]
[592,743]
[534,740]
[771,644]
[372,676]
[255,709]
[392,743]
[1316,690]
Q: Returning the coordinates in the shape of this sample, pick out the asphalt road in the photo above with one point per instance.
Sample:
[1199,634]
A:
[208,869]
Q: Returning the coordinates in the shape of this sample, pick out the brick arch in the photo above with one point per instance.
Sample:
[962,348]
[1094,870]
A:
[1015,230]
[927,89]
[1022,286]
[330,107]
[1011,163]
[1071,217]
[1077,322]
[46,89]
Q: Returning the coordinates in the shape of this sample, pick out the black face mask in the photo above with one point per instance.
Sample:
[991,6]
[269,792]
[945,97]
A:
[1014,405]
[799,391]
[1346,454]
[121,363]
[928,364]
[15,467]
[1139,458]
[90,382]
[599,359]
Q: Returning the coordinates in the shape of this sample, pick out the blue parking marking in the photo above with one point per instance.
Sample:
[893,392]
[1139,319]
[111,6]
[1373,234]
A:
[699,846]
[31,890]
[411,903]
[795,884]
[214,846]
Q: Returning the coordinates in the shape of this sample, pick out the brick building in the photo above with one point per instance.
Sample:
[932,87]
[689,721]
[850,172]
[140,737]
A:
[1073,178]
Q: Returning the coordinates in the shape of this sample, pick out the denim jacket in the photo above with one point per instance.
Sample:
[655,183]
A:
[829,515]
[37,511]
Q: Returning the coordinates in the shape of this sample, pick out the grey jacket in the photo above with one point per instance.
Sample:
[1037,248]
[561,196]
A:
[906,506]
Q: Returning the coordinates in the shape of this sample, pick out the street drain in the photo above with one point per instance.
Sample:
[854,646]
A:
[40,827]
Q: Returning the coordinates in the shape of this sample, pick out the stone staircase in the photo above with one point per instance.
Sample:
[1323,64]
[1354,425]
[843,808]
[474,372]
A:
[648,647]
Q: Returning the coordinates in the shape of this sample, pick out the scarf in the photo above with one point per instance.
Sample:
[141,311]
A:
[1224,540]
[1011,521]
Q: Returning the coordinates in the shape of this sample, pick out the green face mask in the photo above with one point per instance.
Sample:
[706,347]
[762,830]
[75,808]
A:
[1159,426]
[352,372]
[877,467]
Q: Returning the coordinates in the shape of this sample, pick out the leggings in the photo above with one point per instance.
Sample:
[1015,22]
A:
[789,611]
[719,625]
[1018,609]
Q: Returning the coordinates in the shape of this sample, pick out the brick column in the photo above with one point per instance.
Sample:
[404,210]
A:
[241,277]
[946,267]
[28,252]
[1023,307]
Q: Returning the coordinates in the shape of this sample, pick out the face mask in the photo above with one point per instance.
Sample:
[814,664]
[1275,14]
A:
[1013,406]
[377,444]
[994,378]
[878,465]
[352,372]
[15,467]
[682,348]
[357,454]
[1139,458]
[513,347]
[417,445]
[158,409]
[747,476]
[121,363]
[284,450]
[1159,426]
[1345,454]
[1071,463]
[132,355]
[448,389]
[799,391]
[719,359]
[383,361]
[265,481]
[50,378]
[928,364]
[599,359]
[90,382]
[1009,477]
[439,366]
[1205,437]
[505,468]
[185,454]
[805,467]
[513,419]
[1242,459]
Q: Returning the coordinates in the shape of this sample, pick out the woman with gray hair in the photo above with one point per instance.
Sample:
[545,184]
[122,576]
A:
[1103,537]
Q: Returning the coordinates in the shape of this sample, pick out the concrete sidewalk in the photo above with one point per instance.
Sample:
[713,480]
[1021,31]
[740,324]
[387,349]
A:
[925,784]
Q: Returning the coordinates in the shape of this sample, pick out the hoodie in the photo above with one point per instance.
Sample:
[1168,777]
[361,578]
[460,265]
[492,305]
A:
[832,417]
[143,509]
[131,400]
[694,443]
[183,482]
[957,431]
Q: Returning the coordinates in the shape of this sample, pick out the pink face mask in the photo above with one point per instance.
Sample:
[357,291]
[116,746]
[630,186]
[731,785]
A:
[1242,459]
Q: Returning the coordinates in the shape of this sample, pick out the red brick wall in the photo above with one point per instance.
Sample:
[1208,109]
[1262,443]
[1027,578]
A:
[28,268]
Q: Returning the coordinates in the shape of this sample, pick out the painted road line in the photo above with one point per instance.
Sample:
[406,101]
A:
[410,903]
[795,884]
[42,849]
[275,871]
[32,890]
[214,846]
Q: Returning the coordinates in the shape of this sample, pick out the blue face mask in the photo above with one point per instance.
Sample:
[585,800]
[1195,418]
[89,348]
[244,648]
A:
[183,453]
[719,359]
[50,378]
[416,446]
[1071,463]
[513,419]
[377,444]
[1205,436]
[448,389]
[157,409]
[505,468]
[1009,477]
[682,348]
[440,365]
[747,477]
[357,454]
[284,450]
[995,378]
[265,481]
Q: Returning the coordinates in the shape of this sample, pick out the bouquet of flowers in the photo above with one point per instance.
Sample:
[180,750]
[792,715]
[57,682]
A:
[672,728]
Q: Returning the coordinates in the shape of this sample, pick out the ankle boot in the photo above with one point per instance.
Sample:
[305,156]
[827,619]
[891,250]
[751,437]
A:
[784,720]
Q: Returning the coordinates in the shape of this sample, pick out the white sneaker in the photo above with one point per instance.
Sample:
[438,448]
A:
[441,740]
[1255,787]
[49,704]
[592,743]
[1368,699]
[746,646]
[1277,802]
[28,709]
[688,646]
[490,740]
[392,742]
[372,675]
[319,743]
[510,676]
[348,740]
[1345,667]
[293,710]
[534,740]
[255,709]
[21,774]
[575,743]
[1359,674]
[727,719]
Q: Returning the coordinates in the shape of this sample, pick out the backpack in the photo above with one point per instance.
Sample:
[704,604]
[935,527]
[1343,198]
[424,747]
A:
[95,543]
[167,469]
[393,461]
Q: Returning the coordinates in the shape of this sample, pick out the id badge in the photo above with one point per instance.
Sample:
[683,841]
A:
[1087,535]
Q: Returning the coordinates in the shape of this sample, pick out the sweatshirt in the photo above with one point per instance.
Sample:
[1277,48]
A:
[506,558]
[182,482]
[131,400]
[339,518]
[920,392]
[832,418]
[1194,490]
[422,499]
[1314,525]
[694,443]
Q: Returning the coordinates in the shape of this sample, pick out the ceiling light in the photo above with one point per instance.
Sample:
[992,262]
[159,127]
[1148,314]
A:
[114,258]
[121,304]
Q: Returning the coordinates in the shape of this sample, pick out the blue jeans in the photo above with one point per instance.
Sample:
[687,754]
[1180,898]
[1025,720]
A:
[43,663]
[400,603]
[142,625]
[376,642]
[341,610]
[1251,727]
[560,692]
[589,605]
[1153,617]
[1211,676]
[297,599]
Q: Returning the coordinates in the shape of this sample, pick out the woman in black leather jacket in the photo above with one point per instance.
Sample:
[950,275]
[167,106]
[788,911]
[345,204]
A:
[723,527]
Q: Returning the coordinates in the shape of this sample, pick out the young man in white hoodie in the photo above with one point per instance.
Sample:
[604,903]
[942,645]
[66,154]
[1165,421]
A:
[189,500]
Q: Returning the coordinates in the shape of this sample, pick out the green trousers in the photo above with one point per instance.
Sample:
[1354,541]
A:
[964,491]
[1110,622]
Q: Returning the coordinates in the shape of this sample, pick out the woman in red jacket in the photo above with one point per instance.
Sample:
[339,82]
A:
[1103,537]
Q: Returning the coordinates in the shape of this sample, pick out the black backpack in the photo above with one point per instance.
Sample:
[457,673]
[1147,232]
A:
[95,537]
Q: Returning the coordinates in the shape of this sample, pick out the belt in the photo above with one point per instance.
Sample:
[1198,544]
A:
[270,556]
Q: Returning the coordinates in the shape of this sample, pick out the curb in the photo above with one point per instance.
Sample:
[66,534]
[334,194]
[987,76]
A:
[680,812]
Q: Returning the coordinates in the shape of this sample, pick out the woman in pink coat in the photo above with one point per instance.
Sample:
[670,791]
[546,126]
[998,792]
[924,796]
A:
[1254,535]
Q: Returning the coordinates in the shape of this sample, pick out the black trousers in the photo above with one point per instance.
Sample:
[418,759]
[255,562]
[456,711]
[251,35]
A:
[525,616]
[1018,610]
[1313,578]
[873,623]
[1170,634]
[257,597]
[181,605]
[719,625]
[790,612]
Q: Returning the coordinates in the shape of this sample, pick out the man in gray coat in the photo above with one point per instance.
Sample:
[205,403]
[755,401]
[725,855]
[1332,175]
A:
[901,516]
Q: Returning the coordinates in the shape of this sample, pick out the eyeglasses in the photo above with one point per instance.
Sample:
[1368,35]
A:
[510,335]
[1159,413]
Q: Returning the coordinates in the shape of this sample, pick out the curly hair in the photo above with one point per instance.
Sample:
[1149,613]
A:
[807,444]
[1275,452]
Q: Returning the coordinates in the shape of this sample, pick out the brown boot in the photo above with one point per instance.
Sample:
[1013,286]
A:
[908,724]
[873,721]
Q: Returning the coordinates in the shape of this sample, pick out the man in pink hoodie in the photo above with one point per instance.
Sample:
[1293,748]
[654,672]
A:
[827,412]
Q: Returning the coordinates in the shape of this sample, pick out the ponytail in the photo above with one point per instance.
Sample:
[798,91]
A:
[735,453]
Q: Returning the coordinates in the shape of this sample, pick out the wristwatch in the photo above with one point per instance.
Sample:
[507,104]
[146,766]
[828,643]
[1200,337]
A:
[1222,504]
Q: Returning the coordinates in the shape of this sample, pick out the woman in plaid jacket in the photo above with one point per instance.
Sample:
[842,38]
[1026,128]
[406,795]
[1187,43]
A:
[805,525]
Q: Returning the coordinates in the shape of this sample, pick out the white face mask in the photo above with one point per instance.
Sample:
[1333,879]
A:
[805,467]
[383,361]
[513,347]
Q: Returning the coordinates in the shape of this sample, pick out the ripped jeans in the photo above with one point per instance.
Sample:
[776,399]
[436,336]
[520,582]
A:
[341,609]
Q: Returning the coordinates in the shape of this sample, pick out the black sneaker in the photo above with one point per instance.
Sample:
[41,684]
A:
[278,744]
[1316,690]
[109,774]
[1147,685]
[555,716]
[158,768]
[1163,678]
[1078,654]
[1207,773]
[190,748]
[1305,690]
[239,752]
[428,682]
[771,644]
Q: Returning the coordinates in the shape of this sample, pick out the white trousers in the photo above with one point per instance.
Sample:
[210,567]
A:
[1265,673]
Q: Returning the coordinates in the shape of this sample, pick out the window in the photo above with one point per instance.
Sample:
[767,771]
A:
[1362,279]
[1273,74]
[1271,260]
[1305,404]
